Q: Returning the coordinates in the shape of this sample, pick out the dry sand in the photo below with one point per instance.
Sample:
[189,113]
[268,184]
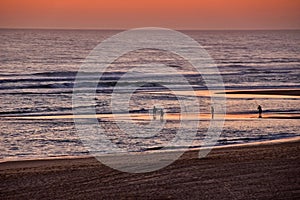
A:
[264,171]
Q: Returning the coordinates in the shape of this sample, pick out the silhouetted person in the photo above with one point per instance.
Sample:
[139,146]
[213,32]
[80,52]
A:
[212,110]
[161,114]
[259,111]
[154,112]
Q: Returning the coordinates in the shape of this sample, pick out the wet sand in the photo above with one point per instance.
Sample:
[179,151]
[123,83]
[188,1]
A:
[256,171]
[168,116]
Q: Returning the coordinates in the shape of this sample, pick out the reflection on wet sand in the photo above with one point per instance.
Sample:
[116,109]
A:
[272,94]
[168,116]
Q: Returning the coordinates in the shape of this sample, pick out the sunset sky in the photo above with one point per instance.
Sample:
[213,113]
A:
[175,14]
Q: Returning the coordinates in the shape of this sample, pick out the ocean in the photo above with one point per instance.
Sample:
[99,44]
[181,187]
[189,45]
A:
[38,69]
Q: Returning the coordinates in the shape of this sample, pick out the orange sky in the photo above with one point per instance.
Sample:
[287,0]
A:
[176,14]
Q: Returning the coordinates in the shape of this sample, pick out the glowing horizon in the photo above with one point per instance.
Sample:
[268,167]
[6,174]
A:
[175,14]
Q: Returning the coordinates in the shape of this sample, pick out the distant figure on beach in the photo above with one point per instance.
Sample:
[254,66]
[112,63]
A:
[212,110]
[259,111]
[154,112]
[162,114]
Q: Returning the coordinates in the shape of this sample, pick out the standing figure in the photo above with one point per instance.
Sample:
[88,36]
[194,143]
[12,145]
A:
[154,112]
[162,114]
[212,110]
[259,111]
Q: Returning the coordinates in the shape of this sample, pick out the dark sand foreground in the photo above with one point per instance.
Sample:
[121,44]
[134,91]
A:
[265,171]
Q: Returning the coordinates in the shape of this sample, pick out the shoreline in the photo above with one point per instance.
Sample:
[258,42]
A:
[264,171]
[220,147]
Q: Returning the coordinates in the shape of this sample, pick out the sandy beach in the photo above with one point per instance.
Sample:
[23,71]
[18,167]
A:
[256,171]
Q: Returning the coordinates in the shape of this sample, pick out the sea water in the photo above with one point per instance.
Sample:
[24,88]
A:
[38,69]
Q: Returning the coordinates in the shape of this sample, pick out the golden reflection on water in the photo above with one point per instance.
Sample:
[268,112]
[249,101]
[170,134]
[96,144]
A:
[178,116]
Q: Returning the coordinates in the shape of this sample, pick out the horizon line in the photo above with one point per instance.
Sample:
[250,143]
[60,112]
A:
[121,29]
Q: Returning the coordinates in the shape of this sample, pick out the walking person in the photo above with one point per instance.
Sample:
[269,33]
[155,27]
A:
[154,112]
[161,115]
[259,108]
[212,110]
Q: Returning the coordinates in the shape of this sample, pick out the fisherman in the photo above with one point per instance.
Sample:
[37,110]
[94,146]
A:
[259,108]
